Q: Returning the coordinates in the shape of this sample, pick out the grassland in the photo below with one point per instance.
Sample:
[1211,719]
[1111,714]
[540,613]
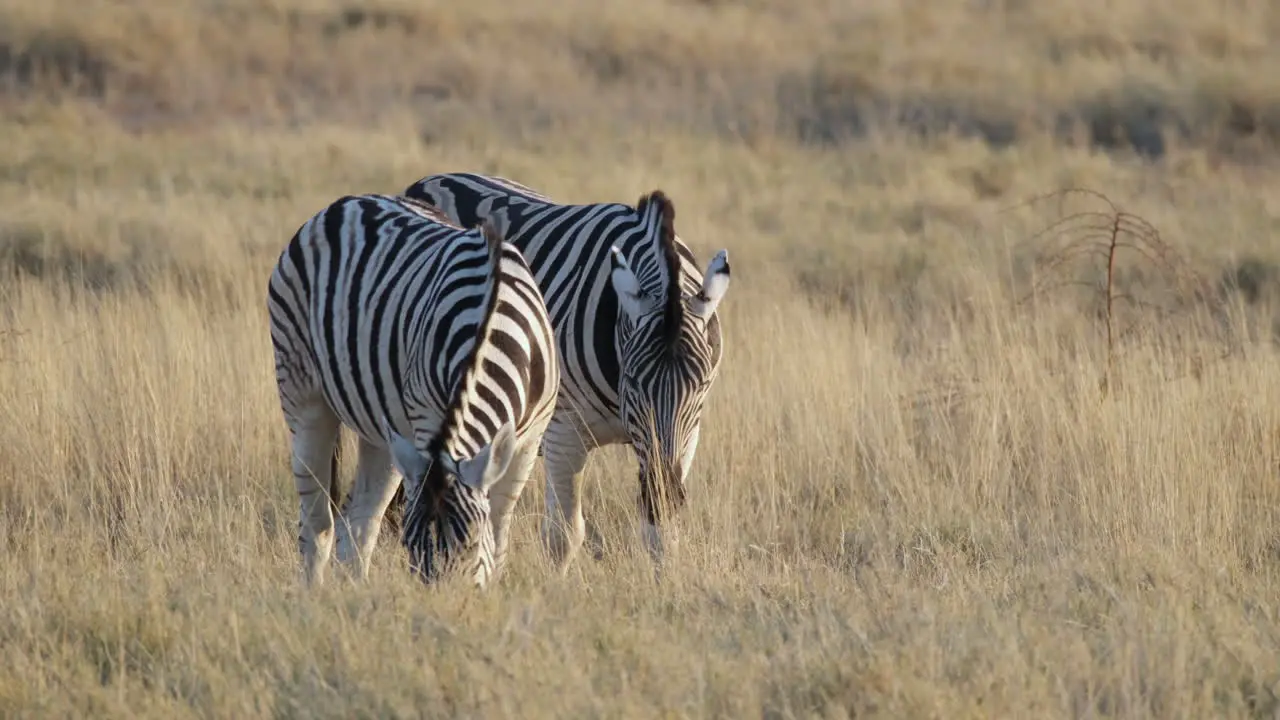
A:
[913,497]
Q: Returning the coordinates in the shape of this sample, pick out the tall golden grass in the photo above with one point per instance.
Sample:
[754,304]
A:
[912,499]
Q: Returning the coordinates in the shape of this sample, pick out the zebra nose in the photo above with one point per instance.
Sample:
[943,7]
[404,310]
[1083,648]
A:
[672,469]
[668,476]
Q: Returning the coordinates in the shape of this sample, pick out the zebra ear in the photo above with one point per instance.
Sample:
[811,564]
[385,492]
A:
[634,301]
[715,283]
[410,463]
[483,470]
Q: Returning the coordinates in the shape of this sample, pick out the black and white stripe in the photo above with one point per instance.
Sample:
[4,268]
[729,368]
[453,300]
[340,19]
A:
[433,344]
[639,350]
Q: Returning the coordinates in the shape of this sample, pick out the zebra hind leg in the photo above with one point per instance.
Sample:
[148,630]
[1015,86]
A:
[393,516]
[361,522]
[503,497]
[314,445]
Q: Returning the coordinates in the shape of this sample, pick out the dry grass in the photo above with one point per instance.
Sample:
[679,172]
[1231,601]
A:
[911,499]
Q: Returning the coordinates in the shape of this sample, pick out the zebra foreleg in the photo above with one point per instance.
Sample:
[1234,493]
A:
[660,503]
[563,526]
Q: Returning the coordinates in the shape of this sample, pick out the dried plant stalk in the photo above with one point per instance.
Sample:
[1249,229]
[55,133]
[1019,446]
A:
[1103,234]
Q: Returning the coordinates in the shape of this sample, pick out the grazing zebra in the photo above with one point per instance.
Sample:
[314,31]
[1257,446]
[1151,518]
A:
[638,351]
[434,345]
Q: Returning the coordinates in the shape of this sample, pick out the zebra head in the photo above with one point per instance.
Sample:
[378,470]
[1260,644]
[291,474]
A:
[446,525]
[670,350]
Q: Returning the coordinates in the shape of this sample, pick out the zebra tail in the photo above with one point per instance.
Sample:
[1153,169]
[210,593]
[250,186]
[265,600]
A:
[335,483]
[465,389]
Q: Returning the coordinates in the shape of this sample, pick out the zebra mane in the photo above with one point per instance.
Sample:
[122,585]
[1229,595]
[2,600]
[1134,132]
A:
[513,187]
[465,389]
[673,314]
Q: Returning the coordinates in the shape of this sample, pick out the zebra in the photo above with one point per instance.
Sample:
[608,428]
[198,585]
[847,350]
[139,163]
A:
[433,344]
[638,352]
